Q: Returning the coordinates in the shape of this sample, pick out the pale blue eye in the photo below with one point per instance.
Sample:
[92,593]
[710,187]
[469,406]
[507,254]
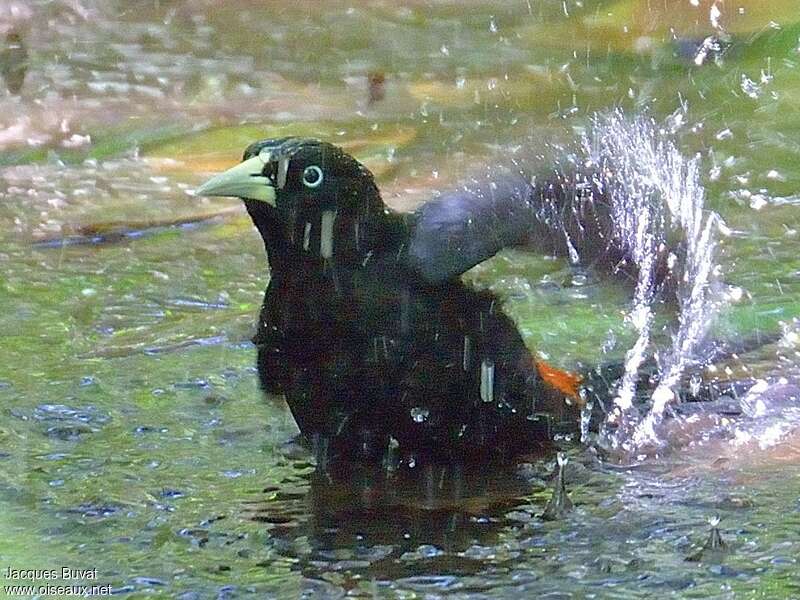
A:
[312,176]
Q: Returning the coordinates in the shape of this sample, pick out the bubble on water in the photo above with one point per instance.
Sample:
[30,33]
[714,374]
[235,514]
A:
[758,201]
[750,87]
[710,47]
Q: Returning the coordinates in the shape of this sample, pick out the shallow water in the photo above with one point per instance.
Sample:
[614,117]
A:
[133,436]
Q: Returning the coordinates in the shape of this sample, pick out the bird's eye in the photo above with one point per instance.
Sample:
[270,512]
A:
[312,176]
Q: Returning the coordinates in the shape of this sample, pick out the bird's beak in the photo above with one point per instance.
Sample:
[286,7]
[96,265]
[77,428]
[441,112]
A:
[245,180]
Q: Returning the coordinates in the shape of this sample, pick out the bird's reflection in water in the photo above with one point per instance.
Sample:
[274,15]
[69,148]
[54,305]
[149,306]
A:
[383,523]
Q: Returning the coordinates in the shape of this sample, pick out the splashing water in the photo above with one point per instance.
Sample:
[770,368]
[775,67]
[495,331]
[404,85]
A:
[655,196]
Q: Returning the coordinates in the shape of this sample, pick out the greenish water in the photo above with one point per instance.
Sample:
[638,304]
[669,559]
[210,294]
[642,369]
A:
[133,437]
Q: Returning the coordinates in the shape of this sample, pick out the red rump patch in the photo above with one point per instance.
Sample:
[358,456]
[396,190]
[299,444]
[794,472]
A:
[565,382]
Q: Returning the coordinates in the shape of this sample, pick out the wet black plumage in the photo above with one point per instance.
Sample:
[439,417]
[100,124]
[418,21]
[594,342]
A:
[366,328]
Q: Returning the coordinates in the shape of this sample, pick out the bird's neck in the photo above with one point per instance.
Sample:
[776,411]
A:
[345,238]
[272,234]
[342,239]
[392,232]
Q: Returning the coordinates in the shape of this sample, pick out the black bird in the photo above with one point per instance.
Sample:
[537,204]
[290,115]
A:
[366,328]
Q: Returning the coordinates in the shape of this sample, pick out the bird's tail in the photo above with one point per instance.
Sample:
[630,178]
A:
[626,201]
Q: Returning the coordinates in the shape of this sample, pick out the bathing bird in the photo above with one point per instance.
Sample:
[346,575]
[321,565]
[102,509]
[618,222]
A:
[367,329]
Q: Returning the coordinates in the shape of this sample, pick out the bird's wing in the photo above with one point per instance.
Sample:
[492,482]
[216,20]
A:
[459,229]
[562,213]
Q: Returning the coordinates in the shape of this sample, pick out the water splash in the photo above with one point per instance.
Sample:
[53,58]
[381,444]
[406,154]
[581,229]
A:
[655,198]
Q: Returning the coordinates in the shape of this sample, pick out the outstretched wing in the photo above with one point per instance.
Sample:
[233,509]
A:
[563,213]
[559,215]
[457,230]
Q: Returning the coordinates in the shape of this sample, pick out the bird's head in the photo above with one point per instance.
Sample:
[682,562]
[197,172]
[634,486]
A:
[317,197]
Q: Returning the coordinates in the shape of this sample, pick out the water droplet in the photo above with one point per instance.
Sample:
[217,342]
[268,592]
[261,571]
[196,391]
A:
[725,134]
[694,384]
[713,15]
[574,257]
[419,414]
[487,380]
[610,342]
[326,233]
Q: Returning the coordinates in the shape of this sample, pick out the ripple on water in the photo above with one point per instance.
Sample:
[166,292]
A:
[94,510]
[63,422]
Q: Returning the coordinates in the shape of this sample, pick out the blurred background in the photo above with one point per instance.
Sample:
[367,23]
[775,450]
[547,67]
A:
[133,437]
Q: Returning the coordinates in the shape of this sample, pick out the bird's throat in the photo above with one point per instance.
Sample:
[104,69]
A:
[333,237]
